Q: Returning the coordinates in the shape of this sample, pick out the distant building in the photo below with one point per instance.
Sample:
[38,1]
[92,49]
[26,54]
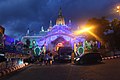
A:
[2,30]
[56,36]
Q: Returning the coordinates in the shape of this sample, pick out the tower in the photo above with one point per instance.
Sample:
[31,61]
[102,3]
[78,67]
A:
[28,32]
[42,29]
[50,25]
[69,24]
[60,20]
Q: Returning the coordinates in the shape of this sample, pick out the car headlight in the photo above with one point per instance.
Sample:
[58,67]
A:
[77,59]
[69,56]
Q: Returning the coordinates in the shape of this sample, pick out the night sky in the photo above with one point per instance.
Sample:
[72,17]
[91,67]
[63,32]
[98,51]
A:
[19,15]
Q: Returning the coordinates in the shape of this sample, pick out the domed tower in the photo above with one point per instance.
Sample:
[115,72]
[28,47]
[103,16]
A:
[60,20]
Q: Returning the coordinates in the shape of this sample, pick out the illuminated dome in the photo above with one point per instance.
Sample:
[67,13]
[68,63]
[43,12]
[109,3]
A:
[60,20]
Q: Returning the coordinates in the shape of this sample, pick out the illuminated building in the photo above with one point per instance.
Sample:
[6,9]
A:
[59,35]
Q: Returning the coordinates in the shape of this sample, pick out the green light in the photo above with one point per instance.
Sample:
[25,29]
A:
[88,46]
[37,51]
[34,42]
[80,50]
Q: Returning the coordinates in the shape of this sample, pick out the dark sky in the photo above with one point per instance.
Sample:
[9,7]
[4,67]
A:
[17,15]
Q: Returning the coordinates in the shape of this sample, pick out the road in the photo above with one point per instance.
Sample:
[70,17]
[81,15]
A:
[108,70]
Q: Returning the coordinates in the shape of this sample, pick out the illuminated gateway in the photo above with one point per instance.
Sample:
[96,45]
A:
[59,35]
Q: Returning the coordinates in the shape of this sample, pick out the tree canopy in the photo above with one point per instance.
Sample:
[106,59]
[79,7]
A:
[108,31]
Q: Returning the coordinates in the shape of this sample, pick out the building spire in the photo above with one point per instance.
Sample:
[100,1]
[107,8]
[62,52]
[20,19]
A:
[28,32]
[60,12]
[42,29]
[60,20]
[70,22]
[50,24]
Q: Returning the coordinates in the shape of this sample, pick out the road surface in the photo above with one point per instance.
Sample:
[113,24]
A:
[108,70]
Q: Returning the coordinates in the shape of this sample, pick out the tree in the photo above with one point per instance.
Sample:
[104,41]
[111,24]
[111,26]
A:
[115,25]
[113,38]
[108,31]
[115,22]
[101,25]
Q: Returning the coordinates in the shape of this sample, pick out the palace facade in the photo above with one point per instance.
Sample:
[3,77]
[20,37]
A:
[59,35]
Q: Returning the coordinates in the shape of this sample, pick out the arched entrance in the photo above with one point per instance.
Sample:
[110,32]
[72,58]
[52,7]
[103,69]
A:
[60,42]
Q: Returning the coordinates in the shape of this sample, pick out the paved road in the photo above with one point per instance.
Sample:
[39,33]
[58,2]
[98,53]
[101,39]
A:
[109,70]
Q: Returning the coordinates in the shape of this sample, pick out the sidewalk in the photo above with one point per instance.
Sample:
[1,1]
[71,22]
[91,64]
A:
[11,69]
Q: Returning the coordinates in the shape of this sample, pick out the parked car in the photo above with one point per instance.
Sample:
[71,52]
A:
[88,58]
[62,58]
[64,54]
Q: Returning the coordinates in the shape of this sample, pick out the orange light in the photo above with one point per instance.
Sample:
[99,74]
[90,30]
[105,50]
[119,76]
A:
[83,30]
[117,11]
[59,45]
[88,30]
[118,7]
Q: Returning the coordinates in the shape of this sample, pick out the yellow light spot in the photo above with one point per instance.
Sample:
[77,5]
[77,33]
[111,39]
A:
[118,7]
[82,30]
[88,30]
[117,11]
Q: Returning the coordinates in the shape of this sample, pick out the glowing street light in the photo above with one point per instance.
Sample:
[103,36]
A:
[118,9]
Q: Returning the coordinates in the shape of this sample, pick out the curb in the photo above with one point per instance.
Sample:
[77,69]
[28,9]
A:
[112,57]
[14,68]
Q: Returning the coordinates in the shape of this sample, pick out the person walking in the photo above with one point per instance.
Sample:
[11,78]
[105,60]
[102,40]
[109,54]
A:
[72,57]
[41,58]
[51,59]
[46,58]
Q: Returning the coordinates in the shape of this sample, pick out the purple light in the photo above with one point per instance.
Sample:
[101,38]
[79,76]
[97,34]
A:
[98,44]
[8,40]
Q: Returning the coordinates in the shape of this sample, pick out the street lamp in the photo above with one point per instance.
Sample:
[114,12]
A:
[118,10]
